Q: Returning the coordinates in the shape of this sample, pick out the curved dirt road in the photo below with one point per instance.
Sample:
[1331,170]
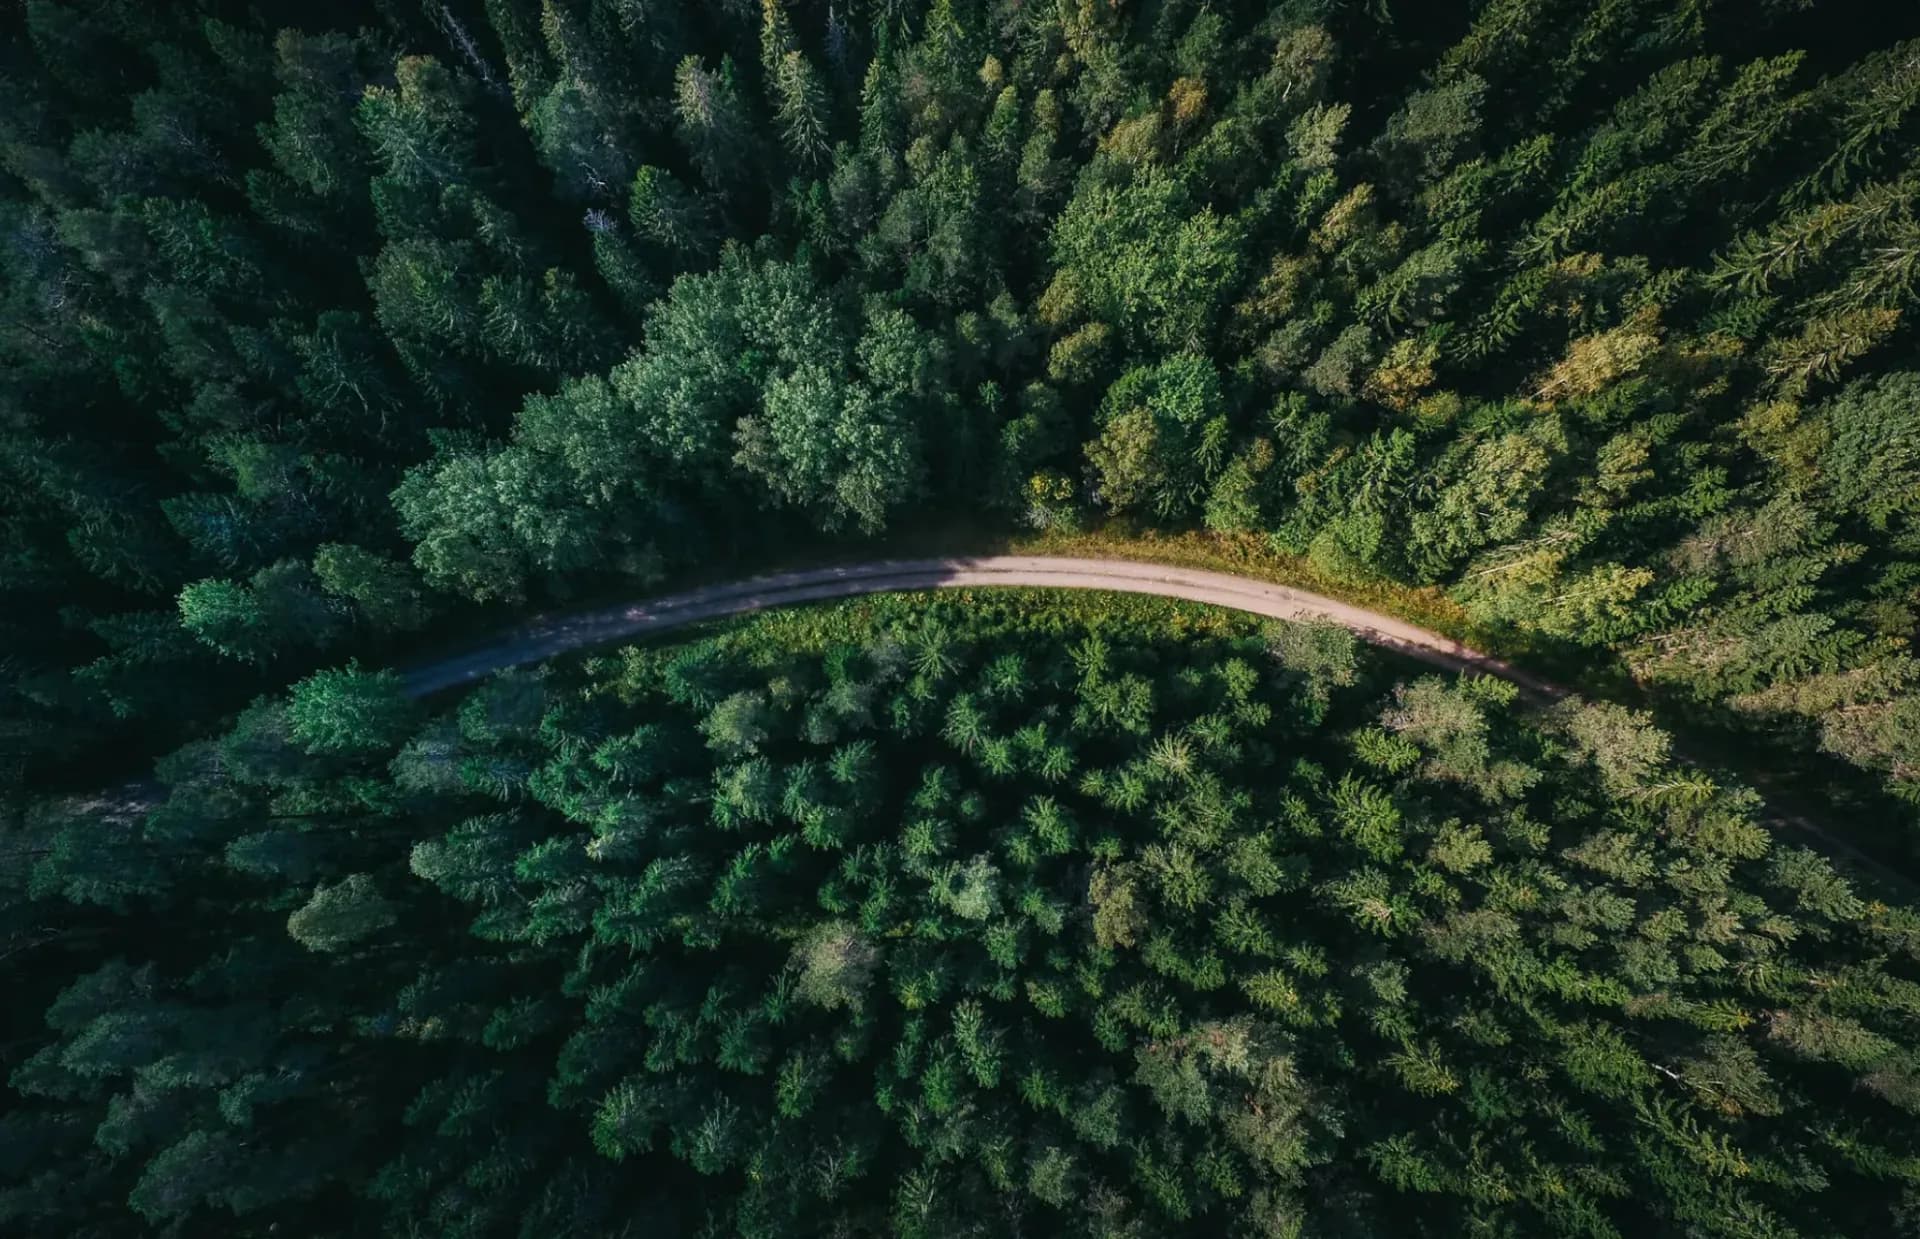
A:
[544,638]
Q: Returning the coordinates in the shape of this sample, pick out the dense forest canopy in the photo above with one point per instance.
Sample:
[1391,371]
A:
[332,333]
[994,917]
[321,324]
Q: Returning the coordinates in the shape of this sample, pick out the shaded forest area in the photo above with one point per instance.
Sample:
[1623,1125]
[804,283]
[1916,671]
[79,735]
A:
[914,916]
[332,333]
[315,335]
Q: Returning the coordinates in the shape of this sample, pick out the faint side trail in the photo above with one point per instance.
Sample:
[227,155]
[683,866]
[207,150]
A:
[546,637]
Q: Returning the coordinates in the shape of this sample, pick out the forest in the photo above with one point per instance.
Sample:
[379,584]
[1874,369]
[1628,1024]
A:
[914,917]
[334,335]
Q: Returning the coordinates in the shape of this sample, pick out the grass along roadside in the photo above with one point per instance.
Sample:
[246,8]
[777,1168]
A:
[1245,555]
[1592,672]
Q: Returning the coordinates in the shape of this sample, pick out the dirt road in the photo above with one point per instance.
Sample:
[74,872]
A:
[544,638]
